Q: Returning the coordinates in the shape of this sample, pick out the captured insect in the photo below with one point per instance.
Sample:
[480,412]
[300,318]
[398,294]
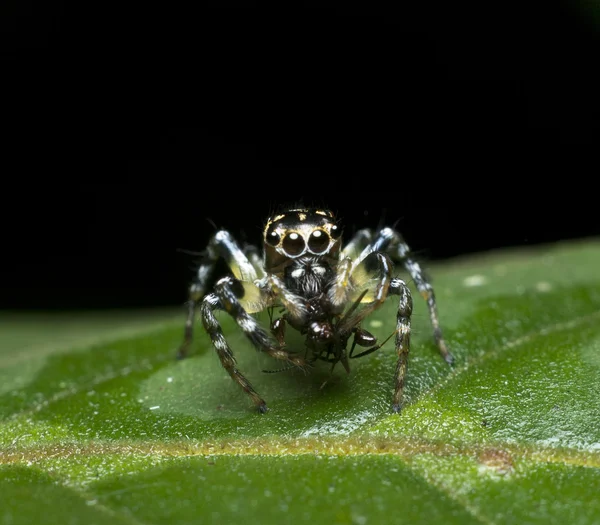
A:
[317,286]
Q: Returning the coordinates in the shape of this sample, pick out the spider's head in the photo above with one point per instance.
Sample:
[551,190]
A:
[300,233]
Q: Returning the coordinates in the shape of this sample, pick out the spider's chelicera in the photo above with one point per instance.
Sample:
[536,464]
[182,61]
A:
[319,287]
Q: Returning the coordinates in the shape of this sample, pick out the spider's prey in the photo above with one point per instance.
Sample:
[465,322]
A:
[318,286]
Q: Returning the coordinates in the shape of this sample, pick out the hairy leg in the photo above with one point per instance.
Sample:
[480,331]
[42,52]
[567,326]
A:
[221,245]
[391,242]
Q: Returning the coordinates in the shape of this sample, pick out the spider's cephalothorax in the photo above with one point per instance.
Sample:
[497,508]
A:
[322,289]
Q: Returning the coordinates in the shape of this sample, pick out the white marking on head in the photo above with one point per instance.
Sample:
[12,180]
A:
[319,270]
[297,273]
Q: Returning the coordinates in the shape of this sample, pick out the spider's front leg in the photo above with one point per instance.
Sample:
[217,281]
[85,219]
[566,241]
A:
[371,263]
[226,296]
[398,287]
[221,245]
[376,265]
[390,241]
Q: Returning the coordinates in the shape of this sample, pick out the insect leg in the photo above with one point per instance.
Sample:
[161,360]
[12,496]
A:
[278,330]
[220,245]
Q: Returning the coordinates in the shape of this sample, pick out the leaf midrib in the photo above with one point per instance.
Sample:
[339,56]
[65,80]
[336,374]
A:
[358,445]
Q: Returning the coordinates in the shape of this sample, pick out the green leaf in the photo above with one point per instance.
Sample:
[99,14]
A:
[99,423]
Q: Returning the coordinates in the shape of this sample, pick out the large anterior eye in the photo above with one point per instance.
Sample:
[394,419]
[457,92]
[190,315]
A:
[318,241]
[293,244]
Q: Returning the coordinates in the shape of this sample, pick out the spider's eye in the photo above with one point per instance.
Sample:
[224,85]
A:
[293,244]
[318,241]
[336,231]
[272,238]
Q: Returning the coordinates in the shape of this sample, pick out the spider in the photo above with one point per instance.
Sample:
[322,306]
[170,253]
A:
[322,289]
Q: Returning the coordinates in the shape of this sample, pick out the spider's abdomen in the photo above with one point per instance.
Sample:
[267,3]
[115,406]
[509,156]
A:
[308,277]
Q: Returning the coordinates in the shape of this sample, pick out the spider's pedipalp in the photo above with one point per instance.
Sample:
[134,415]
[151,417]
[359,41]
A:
[294,305]
[341,288]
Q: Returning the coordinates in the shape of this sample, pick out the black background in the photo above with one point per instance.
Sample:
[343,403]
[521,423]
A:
[472,126]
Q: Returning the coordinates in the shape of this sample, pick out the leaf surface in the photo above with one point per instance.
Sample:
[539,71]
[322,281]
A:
[97,414]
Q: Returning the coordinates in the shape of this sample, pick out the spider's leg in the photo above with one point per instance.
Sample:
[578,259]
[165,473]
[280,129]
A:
[357,243]
[212,326]
[220,245]
[398,287]
[195,294]
[227,296]
[352,270]
[391,242]
[253,255]
[232,296]
[373,293]
[362,274]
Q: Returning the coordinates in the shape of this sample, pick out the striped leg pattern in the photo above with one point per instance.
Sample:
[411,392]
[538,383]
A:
[243,266]
[390,241]
[224,298]
[398,287]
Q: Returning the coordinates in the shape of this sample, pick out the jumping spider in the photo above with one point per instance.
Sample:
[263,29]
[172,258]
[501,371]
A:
[323,289]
